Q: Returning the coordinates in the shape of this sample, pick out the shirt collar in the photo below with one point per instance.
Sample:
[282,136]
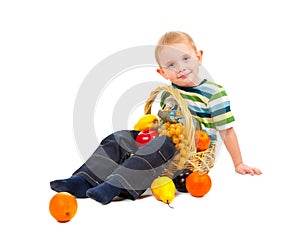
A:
[189,88]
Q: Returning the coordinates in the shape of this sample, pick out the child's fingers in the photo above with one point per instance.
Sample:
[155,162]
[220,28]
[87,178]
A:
[241,171]
[257,171]
[253,171]
[248,170]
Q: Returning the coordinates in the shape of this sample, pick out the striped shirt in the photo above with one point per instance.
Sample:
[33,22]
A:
[209,105]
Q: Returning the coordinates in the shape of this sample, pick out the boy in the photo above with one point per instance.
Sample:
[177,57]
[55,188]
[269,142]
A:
[179,61]
[119,168]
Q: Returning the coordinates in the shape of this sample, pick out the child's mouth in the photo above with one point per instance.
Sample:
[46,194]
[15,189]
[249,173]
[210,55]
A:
[183,76]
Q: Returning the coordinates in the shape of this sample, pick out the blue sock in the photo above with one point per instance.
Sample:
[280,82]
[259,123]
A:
[104,193]
[76,185]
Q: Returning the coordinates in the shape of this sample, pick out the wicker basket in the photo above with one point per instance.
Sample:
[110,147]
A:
[196,161]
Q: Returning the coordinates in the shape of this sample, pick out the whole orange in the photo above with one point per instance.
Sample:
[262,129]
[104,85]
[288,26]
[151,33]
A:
[198,184]
[63,207]
[202,140]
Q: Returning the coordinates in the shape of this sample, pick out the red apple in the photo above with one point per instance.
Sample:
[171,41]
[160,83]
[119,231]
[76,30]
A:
[146,136]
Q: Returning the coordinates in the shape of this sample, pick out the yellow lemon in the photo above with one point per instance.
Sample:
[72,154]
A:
[146,122]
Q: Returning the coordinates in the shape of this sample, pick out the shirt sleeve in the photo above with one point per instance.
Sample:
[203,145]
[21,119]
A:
[221,114]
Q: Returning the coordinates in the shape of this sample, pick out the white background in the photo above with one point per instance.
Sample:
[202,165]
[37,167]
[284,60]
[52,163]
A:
[250,47]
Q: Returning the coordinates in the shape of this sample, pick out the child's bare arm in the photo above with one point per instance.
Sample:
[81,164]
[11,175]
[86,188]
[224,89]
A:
[231,142]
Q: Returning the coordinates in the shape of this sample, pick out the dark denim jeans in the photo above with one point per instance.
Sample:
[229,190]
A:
[119,161]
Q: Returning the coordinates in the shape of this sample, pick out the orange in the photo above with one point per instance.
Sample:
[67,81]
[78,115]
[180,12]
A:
[202,140]
[63,207]
[198,184]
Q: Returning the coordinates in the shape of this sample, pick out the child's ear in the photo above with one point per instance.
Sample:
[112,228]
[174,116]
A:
[199,55]
[161,72]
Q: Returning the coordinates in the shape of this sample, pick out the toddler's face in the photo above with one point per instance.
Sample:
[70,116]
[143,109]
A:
[180,64]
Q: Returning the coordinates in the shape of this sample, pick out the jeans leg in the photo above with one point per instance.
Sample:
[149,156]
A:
[138,172]
[112,151]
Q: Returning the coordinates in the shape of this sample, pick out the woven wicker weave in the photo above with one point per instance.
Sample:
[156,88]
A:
[197,161]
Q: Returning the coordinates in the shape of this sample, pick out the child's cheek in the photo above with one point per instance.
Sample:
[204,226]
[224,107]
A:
[172,75]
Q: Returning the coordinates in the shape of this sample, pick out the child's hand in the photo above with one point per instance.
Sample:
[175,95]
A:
[245,169]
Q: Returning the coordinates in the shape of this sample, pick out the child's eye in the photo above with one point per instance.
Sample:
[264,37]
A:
[186,58]
[171,65]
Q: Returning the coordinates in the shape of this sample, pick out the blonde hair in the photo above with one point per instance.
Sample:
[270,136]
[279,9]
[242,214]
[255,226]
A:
[173,37]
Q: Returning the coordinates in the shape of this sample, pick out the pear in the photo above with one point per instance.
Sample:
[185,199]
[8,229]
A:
[163,189]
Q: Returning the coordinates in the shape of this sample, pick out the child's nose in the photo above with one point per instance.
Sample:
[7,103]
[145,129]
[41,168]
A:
[181,67]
